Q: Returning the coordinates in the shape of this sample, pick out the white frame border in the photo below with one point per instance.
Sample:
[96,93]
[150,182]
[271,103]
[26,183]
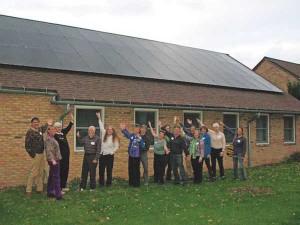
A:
[268,120]
[294,129]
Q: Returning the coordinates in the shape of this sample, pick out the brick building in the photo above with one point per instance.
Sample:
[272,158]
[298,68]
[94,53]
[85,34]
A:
[278,72]
[45,69]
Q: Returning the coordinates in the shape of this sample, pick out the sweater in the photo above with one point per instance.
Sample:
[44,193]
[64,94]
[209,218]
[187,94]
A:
[61,138]
[239,143]
[52,149]
[34,140]
[178,145]
[218,140]
[206,144]
[91,145]
[108,147]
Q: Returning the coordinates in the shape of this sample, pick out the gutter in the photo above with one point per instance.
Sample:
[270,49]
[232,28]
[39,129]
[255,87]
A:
[256,116]
[162,106]
[54,101]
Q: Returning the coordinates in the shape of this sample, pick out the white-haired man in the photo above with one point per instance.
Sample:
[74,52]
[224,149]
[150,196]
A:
[92,148]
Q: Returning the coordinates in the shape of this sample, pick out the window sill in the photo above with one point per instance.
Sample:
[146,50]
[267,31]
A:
[262,144]
[289,143]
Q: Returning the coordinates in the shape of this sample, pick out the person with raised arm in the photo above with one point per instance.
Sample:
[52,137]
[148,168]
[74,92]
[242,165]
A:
[34,145]
[61,137]
[92,148]
[160,152]
[110,144]
[218,145]
[53,156]
[168,166]
[239,146]
[135,147]
[144,153]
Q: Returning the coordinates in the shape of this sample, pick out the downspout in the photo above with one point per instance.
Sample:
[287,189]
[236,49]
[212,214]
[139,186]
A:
[64,114]
[256,116]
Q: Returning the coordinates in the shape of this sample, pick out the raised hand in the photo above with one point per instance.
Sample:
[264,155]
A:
[221,123]
[149,123]
[49,121]
[189,121]
[122,126]
[159,123]
[175,119]
[98,115]
[71,116]
[78,134]
[199,121]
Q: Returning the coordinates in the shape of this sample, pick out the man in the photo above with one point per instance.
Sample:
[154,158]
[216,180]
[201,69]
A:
[177,146]
[34,145]
[144,154]
[92,148]
[135,147]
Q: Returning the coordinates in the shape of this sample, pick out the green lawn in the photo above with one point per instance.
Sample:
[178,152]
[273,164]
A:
[270,196]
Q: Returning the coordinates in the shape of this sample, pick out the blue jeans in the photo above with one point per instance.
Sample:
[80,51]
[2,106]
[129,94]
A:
[177,161]
[238,159]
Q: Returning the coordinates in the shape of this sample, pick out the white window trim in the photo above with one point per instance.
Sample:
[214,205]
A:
[148,110]
[268,134]
[75,120]
[294,129]
[191,111]
[237,121]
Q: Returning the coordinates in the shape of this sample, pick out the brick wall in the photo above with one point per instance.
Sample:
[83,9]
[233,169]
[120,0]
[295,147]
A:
[275,75]
[16,110]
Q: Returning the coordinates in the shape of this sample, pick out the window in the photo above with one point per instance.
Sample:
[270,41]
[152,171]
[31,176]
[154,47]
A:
[289,129]
[232,121]
[262,129]
[192,115]
[85,116]
[142,116]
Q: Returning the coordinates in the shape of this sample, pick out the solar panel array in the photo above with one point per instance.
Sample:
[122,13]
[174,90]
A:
[44,45]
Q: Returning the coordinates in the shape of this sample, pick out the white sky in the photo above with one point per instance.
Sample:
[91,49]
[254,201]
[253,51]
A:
[247,30]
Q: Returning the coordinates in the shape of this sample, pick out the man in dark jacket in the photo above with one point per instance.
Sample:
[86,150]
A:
[177,146]
[34,145]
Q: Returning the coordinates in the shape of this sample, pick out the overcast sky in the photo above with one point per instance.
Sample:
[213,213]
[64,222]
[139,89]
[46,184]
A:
[247,30]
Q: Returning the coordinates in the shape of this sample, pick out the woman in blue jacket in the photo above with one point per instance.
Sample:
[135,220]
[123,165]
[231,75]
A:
[205,156]
[135,147]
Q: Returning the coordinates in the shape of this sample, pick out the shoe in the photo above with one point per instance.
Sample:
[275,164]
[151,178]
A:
[146,183]
[51,195]
[81,189]
[65,189]
[213,179]
[40,192]
[176,183]
[29,194]
[244,179]
[63,193]
[92,190]
[223,178]
[184,184]
[59,198]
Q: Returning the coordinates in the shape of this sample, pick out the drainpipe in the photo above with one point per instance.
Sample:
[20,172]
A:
[64,114]
[256,116]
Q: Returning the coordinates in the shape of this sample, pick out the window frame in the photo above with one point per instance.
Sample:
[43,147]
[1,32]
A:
[194,112]
[237,122]
[75,121]
[156,111]
[268,129]
[294,130]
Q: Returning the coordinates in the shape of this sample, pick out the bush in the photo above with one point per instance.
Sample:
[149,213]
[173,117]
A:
[295,157]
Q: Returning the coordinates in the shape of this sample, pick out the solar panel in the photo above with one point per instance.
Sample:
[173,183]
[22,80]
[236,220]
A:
[45,45]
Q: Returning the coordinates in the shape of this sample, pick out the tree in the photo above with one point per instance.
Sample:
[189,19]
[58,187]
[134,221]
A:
[294,89]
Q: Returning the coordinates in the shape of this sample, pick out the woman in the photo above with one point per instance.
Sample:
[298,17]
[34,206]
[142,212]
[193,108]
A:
[110,144]
[239,146]
[53,157]
[61,137]
[168,136]
[160,152]
[218,144]
[206,145]
[135,147]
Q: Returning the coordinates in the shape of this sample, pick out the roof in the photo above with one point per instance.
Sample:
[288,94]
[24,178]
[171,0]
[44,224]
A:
[128,90]
[290,67]
[44,45]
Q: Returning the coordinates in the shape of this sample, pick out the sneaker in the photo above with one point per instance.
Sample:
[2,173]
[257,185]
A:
[223,178]
[91,190]
[63,193]
[51,195]
[213,179]
[29,194]
[146,183]
[81,189]
[65,189]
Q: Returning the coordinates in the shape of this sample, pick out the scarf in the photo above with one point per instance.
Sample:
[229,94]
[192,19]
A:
[193,146]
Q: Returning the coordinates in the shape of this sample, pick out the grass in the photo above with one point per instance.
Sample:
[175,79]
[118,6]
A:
[270,196]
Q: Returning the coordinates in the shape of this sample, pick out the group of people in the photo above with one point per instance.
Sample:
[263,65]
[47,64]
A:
[199,146]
